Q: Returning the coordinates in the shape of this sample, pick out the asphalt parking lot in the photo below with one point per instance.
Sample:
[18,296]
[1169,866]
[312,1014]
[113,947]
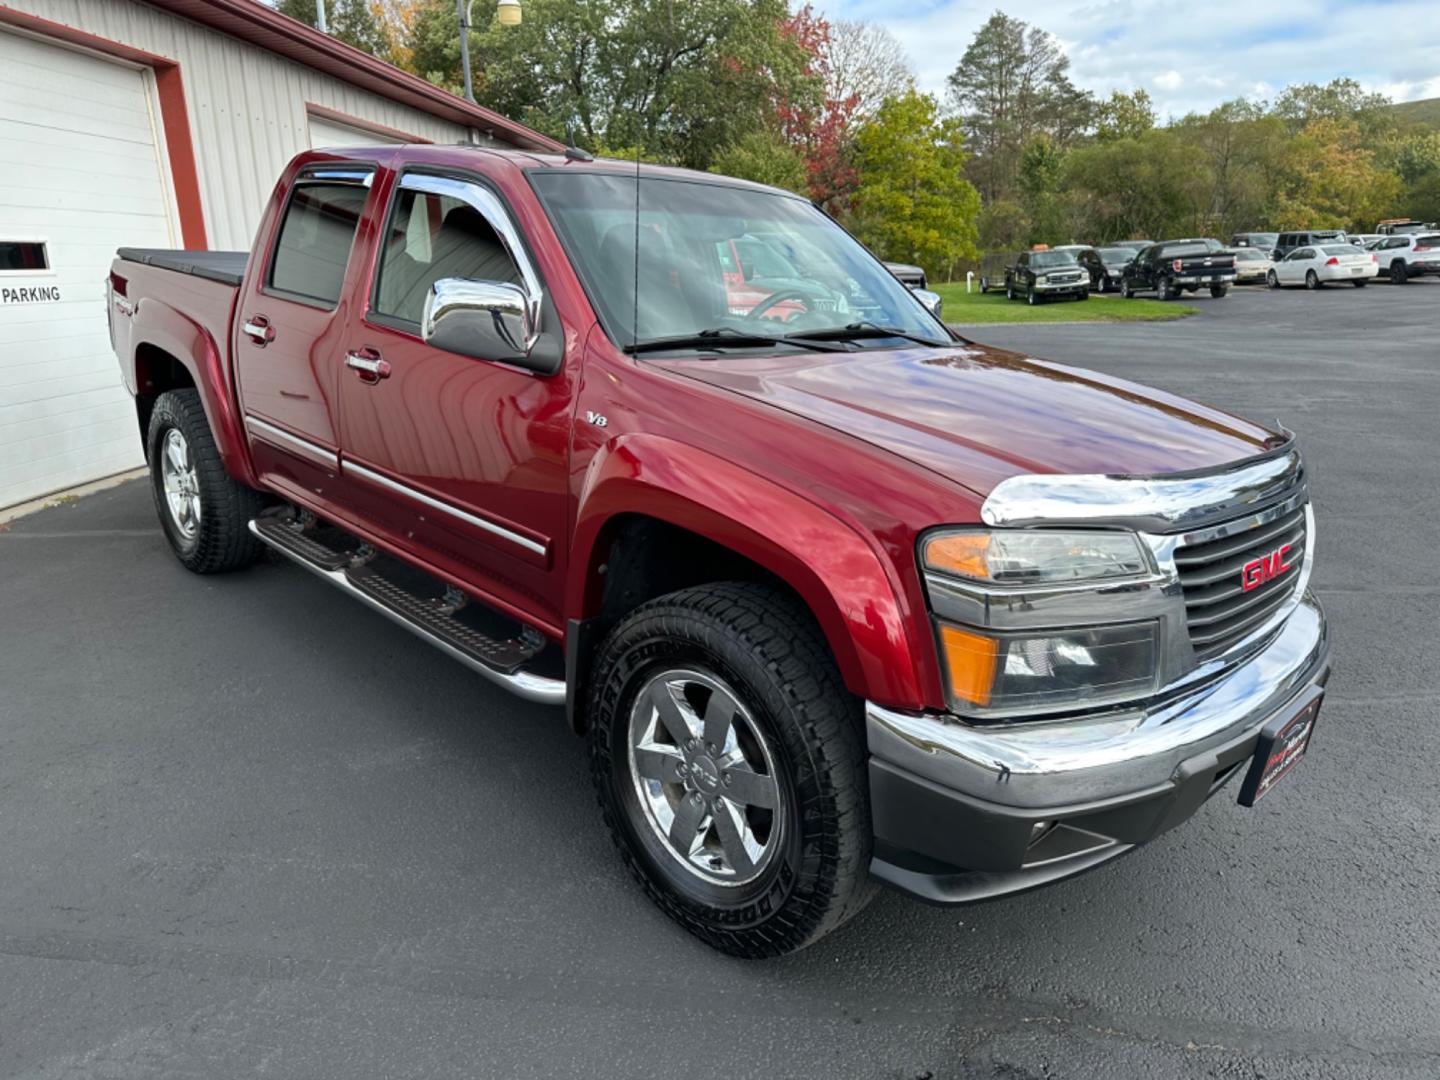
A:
[248,827]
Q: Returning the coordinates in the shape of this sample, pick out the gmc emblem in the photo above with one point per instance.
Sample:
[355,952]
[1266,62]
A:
[1257,572]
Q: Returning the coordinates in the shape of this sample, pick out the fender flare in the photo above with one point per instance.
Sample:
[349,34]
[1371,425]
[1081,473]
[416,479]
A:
[163,327]
[839,573]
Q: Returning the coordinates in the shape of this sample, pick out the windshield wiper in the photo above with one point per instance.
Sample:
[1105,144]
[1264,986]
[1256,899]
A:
[864,329]
[724,337]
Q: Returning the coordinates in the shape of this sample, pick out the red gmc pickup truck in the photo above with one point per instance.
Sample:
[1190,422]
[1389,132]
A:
[838,597]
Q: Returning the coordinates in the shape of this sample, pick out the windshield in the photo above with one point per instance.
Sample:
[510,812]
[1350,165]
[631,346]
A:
[1047,260]
[713,257]
[1111,256]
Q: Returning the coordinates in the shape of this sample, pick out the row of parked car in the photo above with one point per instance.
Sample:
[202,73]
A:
[1171,268]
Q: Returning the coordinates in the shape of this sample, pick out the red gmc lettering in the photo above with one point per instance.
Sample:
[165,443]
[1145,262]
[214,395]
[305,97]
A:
[1258,571]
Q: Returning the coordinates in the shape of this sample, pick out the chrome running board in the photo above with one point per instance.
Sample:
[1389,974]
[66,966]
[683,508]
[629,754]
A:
[498,660]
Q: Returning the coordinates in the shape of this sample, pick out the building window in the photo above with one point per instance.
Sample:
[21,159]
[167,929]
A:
[23,255]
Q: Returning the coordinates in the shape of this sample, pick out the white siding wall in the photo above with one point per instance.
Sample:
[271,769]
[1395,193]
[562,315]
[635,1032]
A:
[246,105]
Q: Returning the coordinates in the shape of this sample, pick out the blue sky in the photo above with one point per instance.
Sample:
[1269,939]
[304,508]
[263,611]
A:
[1189,55]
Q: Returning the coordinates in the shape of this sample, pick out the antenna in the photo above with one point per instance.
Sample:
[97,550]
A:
[573,152]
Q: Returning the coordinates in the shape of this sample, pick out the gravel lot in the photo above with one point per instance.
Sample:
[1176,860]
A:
[249,827]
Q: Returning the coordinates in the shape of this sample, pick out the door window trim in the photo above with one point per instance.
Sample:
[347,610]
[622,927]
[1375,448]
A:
[358,174]
[491,205]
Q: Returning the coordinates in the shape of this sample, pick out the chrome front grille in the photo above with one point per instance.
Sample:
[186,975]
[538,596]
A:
[1234,583]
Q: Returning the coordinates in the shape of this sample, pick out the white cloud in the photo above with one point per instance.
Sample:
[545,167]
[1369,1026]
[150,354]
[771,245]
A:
[1191,58]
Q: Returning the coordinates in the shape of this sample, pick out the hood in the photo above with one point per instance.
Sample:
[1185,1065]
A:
[977,415]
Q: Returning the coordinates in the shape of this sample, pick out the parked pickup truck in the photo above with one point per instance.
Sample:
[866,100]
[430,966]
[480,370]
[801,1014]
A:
[1180,266]
[837,596]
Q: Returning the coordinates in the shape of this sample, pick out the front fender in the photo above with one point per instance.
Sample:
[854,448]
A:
[162,327]
[835,569]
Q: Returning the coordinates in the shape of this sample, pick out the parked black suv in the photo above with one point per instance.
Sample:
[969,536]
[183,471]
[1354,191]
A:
[1037,275]
[1294,241]
[1176,266]
[1106,266]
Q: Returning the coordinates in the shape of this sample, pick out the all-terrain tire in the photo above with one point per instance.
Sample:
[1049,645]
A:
[221,539]
[765,648]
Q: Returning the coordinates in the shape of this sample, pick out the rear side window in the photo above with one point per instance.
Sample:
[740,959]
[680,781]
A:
[315,240]
[433,237]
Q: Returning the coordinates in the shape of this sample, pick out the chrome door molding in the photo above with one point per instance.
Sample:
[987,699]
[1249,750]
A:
[284,440]
[380,480]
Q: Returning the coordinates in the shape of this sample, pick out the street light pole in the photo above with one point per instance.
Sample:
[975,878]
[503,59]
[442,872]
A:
[461,9]
[320,17]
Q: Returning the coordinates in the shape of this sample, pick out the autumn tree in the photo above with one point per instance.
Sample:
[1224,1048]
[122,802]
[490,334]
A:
[1012,84]
[351,21]
[864,62]
[1331,181]
[913,202]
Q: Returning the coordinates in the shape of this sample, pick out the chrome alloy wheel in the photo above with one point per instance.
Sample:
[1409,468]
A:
[182,486]
[705,776]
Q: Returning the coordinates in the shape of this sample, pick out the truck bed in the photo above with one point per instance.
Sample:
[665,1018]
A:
[227,267]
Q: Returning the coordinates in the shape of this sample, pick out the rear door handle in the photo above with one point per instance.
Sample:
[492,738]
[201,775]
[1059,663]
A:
[258,329]
[369,365]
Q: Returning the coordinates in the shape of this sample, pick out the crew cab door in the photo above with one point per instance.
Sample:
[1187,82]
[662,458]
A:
[290,330]
[461,461]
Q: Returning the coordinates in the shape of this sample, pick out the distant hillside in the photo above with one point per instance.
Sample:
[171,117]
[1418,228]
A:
[1426,111]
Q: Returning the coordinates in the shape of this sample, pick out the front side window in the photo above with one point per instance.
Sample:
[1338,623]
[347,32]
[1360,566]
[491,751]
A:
[701,257]
[315,238]
[431,237]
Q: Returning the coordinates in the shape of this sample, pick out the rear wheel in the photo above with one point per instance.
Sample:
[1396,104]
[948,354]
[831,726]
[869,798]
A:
[1312,282]
[1217,291]
[1009,290]
[1399,273]
[204,512]
[1164,290]
[730,766]
[1359,284]
[1125,291]
[984,285]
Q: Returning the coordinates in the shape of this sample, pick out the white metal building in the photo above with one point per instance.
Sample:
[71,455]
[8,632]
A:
[162,123]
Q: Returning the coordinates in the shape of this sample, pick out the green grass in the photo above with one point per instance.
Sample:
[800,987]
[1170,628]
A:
[992,307]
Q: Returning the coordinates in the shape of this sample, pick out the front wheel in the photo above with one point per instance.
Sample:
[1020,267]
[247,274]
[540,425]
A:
[204,512]
[984,285]
[1030,297]
[1009,290]
[1083,294]
[1272,280]
[729,762]
[1125,291]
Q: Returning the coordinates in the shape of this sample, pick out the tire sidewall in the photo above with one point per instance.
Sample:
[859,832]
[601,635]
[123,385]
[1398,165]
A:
[167,417]
[783,908]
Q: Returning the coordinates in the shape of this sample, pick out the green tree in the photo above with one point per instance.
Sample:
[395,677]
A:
[1340,99]
[1124,116]
[681,80]
[1011,84]
[1137,188]
[913,202]
[764,158]
[352,21]
[1041,172]
[1244,150]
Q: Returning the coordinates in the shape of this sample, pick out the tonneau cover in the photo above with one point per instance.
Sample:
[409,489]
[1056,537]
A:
[227,267]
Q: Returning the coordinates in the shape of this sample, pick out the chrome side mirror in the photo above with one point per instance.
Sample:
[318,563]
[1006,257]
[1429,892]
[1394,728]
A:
[489,320]
[931,300]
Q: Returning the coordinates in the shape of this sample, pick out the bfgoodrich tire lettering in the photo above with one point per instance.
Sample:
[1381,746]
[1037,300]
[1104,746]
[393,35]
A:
[765,649]
[216,536]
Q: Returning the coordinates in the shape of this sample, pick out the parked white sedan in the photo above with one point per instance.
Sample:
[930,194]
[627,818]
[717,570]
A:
[1323,263]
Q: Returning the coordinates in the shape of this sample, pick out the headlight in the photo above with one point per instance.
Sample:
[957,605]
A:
[992,591]
[1026,557]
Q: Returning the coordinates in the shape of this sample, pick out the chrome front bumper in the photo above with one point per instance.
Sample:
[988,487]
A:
[1115,755]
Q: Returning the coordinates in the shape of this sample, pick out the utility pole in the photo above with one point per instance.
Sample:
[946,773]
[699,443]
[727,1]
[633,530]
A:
[320,17]
[461,9]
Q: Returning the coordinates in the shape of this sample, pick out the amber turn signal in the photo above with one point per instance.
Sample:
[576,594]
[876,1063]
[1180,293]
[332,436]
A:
[965,554]
[970,663]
